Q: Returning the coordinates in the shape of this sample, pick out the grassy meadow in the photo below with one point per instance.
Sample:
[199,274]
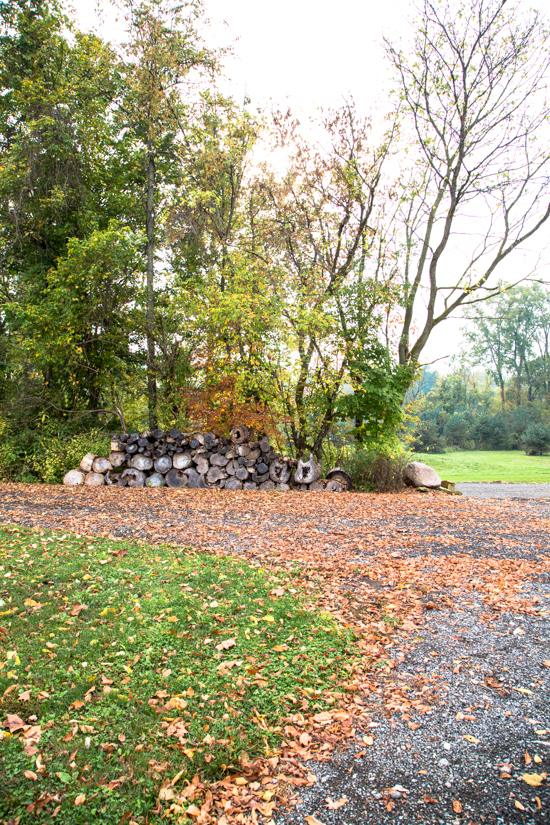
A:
[480,465]
[123,664]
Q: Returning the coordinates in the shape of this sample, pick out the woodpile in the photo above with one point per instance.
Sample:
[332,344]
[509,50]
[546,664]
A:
[202,460]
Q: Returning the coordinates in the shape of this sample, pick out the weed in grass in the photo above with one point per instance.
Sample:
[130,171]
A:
[129,663]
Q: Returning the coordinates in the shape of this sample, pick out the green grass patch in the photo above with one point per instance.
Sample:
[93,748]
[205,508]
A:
[481,465]
[137,662]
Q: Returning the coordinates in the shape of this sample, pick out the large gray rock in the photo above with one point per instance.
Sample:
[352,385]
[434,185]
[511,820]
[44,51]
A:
[417,474]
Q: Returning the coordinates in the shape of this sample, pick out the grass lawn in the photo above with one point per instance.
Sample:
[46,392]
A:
[123,664]
[479,465]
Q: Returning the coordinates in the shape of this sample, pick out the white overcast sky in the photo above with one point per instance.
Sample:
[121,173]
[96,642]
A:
[307,54]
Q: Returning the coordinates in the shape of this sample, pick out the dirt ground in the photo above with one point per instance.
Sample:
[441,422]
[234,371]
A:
[451,598]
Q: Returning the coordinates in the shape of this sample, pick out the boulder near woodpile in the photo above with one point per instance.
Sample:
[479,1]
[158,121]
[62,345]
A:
[416,474]
[202,460]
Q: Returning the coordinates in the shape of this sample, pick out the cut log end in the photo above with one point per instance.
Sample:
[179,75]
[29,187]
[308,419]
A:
[74,478]
[240,434]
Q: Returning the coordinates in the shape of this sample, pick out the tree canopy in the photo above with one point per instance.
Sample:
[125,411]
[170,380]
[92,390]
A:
[155,263]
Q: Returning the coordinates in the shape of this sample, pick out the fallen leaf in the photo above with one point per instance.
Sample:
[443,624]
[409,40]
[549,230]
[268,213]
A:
[80,799]
[518,805]
[457,806]
[226,644]
[524,690]
[13,722]
[368,740]
[312,820]
[323,718]
[472,739]
[334,805]
[78,608]
[72,733]
[31,775]
[528,759]
[534,779]
[430,800]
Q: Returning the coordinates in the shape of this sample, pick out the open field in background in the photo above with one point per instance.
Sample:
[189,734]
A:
[481,465]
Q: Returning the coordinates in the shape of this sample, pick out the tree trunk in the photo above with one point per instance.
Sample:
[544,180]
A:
[150,312]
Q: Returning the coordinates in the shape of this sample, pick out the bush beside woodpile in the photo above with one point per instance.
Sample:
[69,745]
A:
[202,460]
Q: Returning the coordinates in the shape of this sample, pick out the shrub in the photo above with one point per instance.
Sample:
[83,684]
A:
[65,453]
[31,456]
[536,440]
[377,471]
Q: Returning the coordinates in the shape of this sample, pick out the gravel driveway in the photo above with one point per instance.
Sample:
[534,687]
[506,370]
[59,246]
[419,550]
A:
[521,492]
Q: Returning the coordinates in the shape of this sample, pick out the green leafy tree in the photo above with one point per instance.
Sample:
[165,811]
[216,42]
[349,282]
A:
[510,335]
[59,178]
[164,47]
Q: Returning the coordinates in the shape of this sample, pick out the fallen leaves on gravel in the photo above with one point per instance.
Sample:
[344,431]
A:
[333,805]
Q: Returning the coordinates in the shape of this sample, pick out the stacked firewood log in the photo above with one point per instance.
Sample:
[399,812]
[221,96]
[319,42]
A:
[201,460]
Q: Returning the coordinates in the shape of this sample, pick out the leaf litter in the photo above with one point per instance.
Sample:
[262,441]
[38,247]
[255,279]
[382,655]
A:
[384,566]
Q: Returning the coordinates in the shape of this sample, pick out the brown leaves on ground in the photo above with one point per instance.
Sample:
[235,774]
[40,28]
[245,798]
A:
[377,562]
